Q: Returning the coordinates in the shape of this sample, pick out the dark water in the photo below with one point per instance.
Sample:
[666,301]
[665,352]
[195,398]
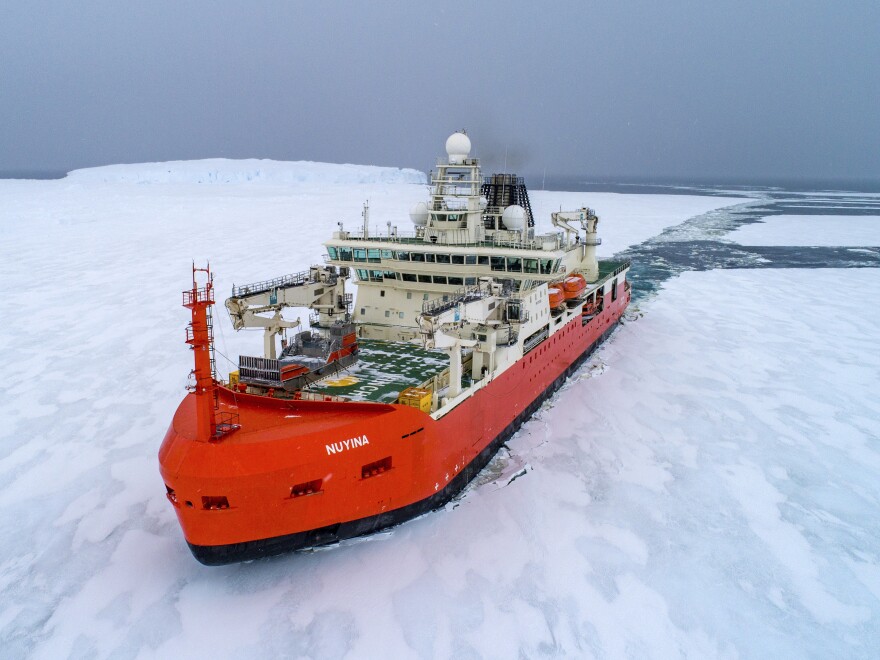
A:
[701,242]
[727,189]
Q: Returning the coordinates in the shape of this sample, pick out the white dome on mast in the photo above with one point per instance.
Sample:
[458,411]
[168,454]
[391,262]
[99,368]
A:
[458,147]
[514,217]
[419,214]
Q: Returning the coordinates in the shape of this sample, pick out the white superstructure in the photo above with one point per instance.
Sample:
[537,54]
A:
[470,229]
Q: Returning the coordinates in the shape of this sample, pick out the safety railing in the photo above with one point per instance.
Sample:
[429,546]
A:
[203,295]
[439,305]
[294,279]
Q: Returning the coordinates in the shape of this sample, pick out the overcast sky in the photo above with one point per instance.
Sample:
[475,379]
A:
[681,89]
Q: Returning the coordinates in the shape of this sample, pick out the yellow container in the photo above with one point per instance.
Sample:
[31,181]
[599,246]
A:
[233,378]
[417,397]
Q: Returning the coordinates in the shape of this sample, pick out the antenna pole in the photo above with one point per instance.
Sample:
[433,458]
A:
[366,215]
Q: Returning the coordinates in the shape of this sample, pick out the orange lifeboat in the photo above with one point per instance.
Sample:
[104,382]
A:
[574,286]
[556,295]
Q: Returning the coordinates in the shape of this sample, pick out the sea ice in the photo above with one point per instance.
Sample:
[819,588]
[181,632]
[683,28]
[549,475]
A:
[710,491]
[832,230]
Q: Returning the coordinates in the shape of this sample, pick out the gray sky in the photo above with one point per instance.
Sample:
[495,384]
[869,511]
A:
[755,89]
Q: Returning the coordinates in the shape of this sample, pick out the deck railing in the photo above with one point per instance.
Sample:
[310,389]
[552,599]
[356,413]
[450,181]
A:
[417,238]
[439,305]
[294,279]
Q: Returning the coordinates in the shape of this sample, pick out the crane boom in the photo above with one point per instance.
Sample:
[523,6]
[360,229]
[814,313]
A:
[321,289]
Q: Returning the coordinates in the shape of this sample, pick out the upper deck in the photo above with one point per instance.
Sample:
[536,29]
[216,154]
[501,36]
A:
[546,242]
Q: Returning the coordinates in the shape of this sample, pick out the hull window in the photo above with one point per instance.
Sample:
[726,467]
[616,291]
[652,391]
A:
[376,468]
[214,502]
[307,488]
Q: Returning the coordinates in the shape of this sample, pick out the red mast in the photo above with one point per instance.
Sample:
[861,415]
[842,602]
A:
[200,336]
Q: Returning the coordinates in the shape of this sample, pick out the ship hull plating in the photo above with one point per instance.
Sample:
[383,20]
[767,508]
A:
[298,474]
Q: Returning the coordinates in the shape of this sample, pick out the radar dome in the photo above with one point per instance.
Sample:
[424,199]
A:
[419,214]
[458,147]
[514,217]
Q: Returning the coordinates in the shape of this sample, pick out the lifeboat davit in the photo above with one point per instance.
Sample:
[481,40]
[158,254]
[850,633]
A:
[574,286]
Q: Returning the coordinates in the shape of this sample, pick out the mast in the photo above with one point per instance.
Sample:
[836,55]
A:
[203,381]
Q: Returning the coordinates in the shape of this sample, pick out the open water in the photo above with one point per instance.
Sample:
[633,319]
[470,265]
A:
[701,244]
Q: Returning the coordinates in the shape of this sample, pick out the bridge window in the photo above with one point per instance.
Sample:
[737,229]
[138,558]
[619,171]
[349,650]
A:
[456,281]
[482,260]
[345,254]
[403,256]
[376,276]
[387,254]
[373,255]
[390,275]
[430,258]
[470,259]
[443,259]
[360,254]
[458,259]
[439,279]
[408,277]
[417,256]
[514,264]
[470,281]
[530,265]
[331,251]
[498,263]
[362,274]
[425,279]
[546,266]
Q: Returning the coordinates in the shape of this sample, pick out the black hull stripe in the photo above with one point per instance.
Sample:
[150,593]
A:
[216,555]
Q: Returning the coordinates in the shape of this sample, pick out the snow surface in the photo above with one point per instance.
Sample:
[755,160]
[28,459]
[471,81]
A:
[223,170]
[707,486]
[832,230]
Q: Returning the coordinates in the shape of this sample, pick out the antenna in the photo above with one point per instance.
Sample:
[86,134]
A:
[366,216]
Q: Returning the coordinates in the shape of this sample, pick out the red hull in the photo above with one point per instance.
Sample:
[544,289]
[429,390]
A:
[247,495]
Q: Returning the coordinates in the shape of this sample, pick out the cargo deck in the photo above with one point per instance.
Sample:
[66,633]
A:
[383,370]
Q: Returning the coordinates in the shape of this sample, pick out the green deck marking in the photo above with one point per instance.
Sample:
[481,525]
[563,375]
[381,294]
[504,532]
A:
[383,369]
[606,267]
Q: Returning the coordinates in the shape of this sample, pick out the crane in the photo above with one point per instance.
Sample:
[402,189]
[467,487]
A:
[321,288]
